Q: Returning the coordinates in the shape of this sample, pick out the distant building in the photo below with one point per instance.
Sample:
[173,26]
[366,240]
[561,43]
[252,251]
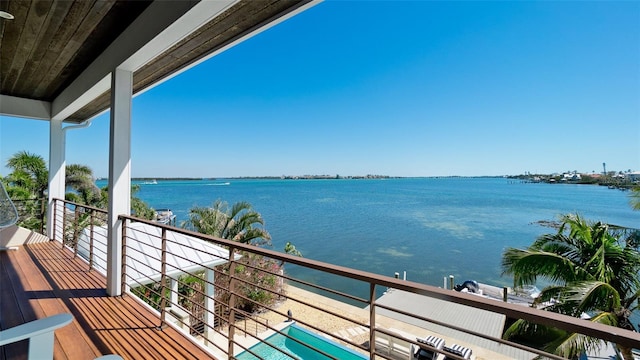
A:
[633,176]
[571,177]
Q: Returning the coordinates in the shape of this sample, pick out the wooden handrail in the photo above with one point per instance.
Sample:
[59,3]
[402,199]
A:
[567,323]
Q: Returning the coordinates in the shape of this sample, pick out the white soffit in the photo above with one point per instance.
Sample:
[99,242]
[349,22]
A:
[161,26]
[27,108]
[199,15]
[158,28]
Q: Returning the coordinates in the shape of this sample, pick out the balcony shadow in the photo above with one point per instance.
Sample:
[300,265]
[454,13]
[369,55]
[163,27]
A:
[83,290]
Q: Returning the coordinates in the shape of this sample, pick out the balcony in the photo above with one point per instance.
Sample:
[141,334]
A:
[154,318]
[128,48]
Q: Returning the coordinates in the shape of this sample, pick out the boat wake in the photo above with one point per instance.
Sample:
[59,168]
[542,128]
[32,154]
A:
[220,184]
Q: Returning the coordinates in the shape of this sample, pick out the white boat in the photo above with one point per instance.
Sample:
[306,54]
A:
[165,216]
[152,182]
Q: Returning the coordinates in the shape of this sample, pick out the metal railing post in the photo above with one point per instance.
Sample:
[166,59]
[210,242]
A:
[91,240]
[232,300]
[64,222]
[163,279]
[55,215]
[123,283]
[235,296]
[42,215]
[372,320]
[75,231]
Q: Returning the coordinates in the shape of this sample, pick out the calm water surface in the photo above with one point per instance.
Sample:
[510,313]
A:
[428,227]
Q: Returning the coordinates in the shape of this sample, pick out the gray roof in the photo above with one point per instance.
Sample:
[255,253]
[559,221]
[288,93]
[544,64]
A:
[463,316]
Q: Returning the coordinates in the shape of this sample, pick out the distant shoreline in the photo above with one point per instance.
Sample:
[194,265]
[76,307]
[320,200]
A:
[554,178]
[308,177]
[619,185]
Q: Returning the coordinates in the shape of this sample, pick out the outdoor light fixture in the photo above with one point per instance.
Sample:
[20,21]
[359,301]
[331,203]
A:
[6,15]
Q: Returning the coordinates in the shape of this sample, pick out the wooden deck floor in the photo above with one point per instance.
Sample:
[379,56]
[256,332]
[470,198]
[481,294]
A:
[40,280]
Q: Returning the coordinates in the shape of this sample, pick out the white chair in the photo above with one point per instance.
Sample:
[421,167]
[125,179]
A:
[39,333]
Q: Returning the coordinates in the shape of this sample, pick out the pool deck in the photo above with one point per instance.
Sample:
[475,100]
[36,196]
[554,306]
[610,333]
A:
[249,341]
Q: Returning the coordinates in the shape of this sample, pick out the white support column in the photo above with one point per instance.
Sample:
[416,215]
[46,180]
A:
[209,305]
[57,168]
[119,173]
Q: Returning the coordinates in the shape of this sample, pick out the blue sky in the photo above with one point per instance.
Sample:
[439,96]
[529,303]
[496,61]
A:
[401,88]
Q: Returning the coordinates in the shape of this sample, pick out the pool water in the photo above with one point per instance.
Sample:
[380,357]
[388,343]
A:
[294,350]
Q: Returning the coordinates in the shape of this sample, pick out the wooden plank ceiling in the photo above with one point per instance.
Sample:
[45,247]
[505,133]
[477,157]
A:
[50,43]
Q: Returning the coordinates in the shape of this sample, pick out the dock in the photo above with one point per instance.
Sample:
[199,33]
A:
[513,297]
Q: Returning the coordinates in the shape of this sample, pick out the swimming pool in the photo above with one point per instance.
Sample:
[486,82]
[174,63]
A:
[296,350]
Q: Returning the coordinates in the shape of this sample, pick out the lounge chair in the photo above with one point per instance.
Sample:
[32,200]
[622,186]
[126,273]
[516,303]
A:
[394,345]
[420,353]
[455,349]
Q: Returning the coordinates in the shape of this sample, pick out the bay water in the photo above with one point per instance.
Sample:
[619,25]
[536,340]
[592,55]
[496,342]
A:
[428,227]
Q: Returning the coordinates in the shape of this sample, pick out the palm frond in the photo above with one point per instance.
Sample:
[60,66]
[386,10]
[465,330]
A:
[593,267]
[591,296]
[527,265]
[239,223]
[573,345]
[523,328]
[634,196]
[605,318]
[632,302]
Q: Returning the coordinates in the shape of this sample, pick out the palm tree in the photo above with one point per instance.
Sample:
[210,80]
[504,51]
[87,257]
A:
[592,267]
[635,198]
[85,191]
[80,179]
[139,208]
[29,180]
[29,173]
[237,223]
[290,249]
[243,224]
[27,185]
[14,189]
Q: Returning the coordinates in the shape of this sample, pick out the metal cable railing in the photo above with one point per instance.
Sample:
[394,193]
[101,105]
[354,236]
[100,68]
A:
[82,229]
[31,213]
[203,284]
